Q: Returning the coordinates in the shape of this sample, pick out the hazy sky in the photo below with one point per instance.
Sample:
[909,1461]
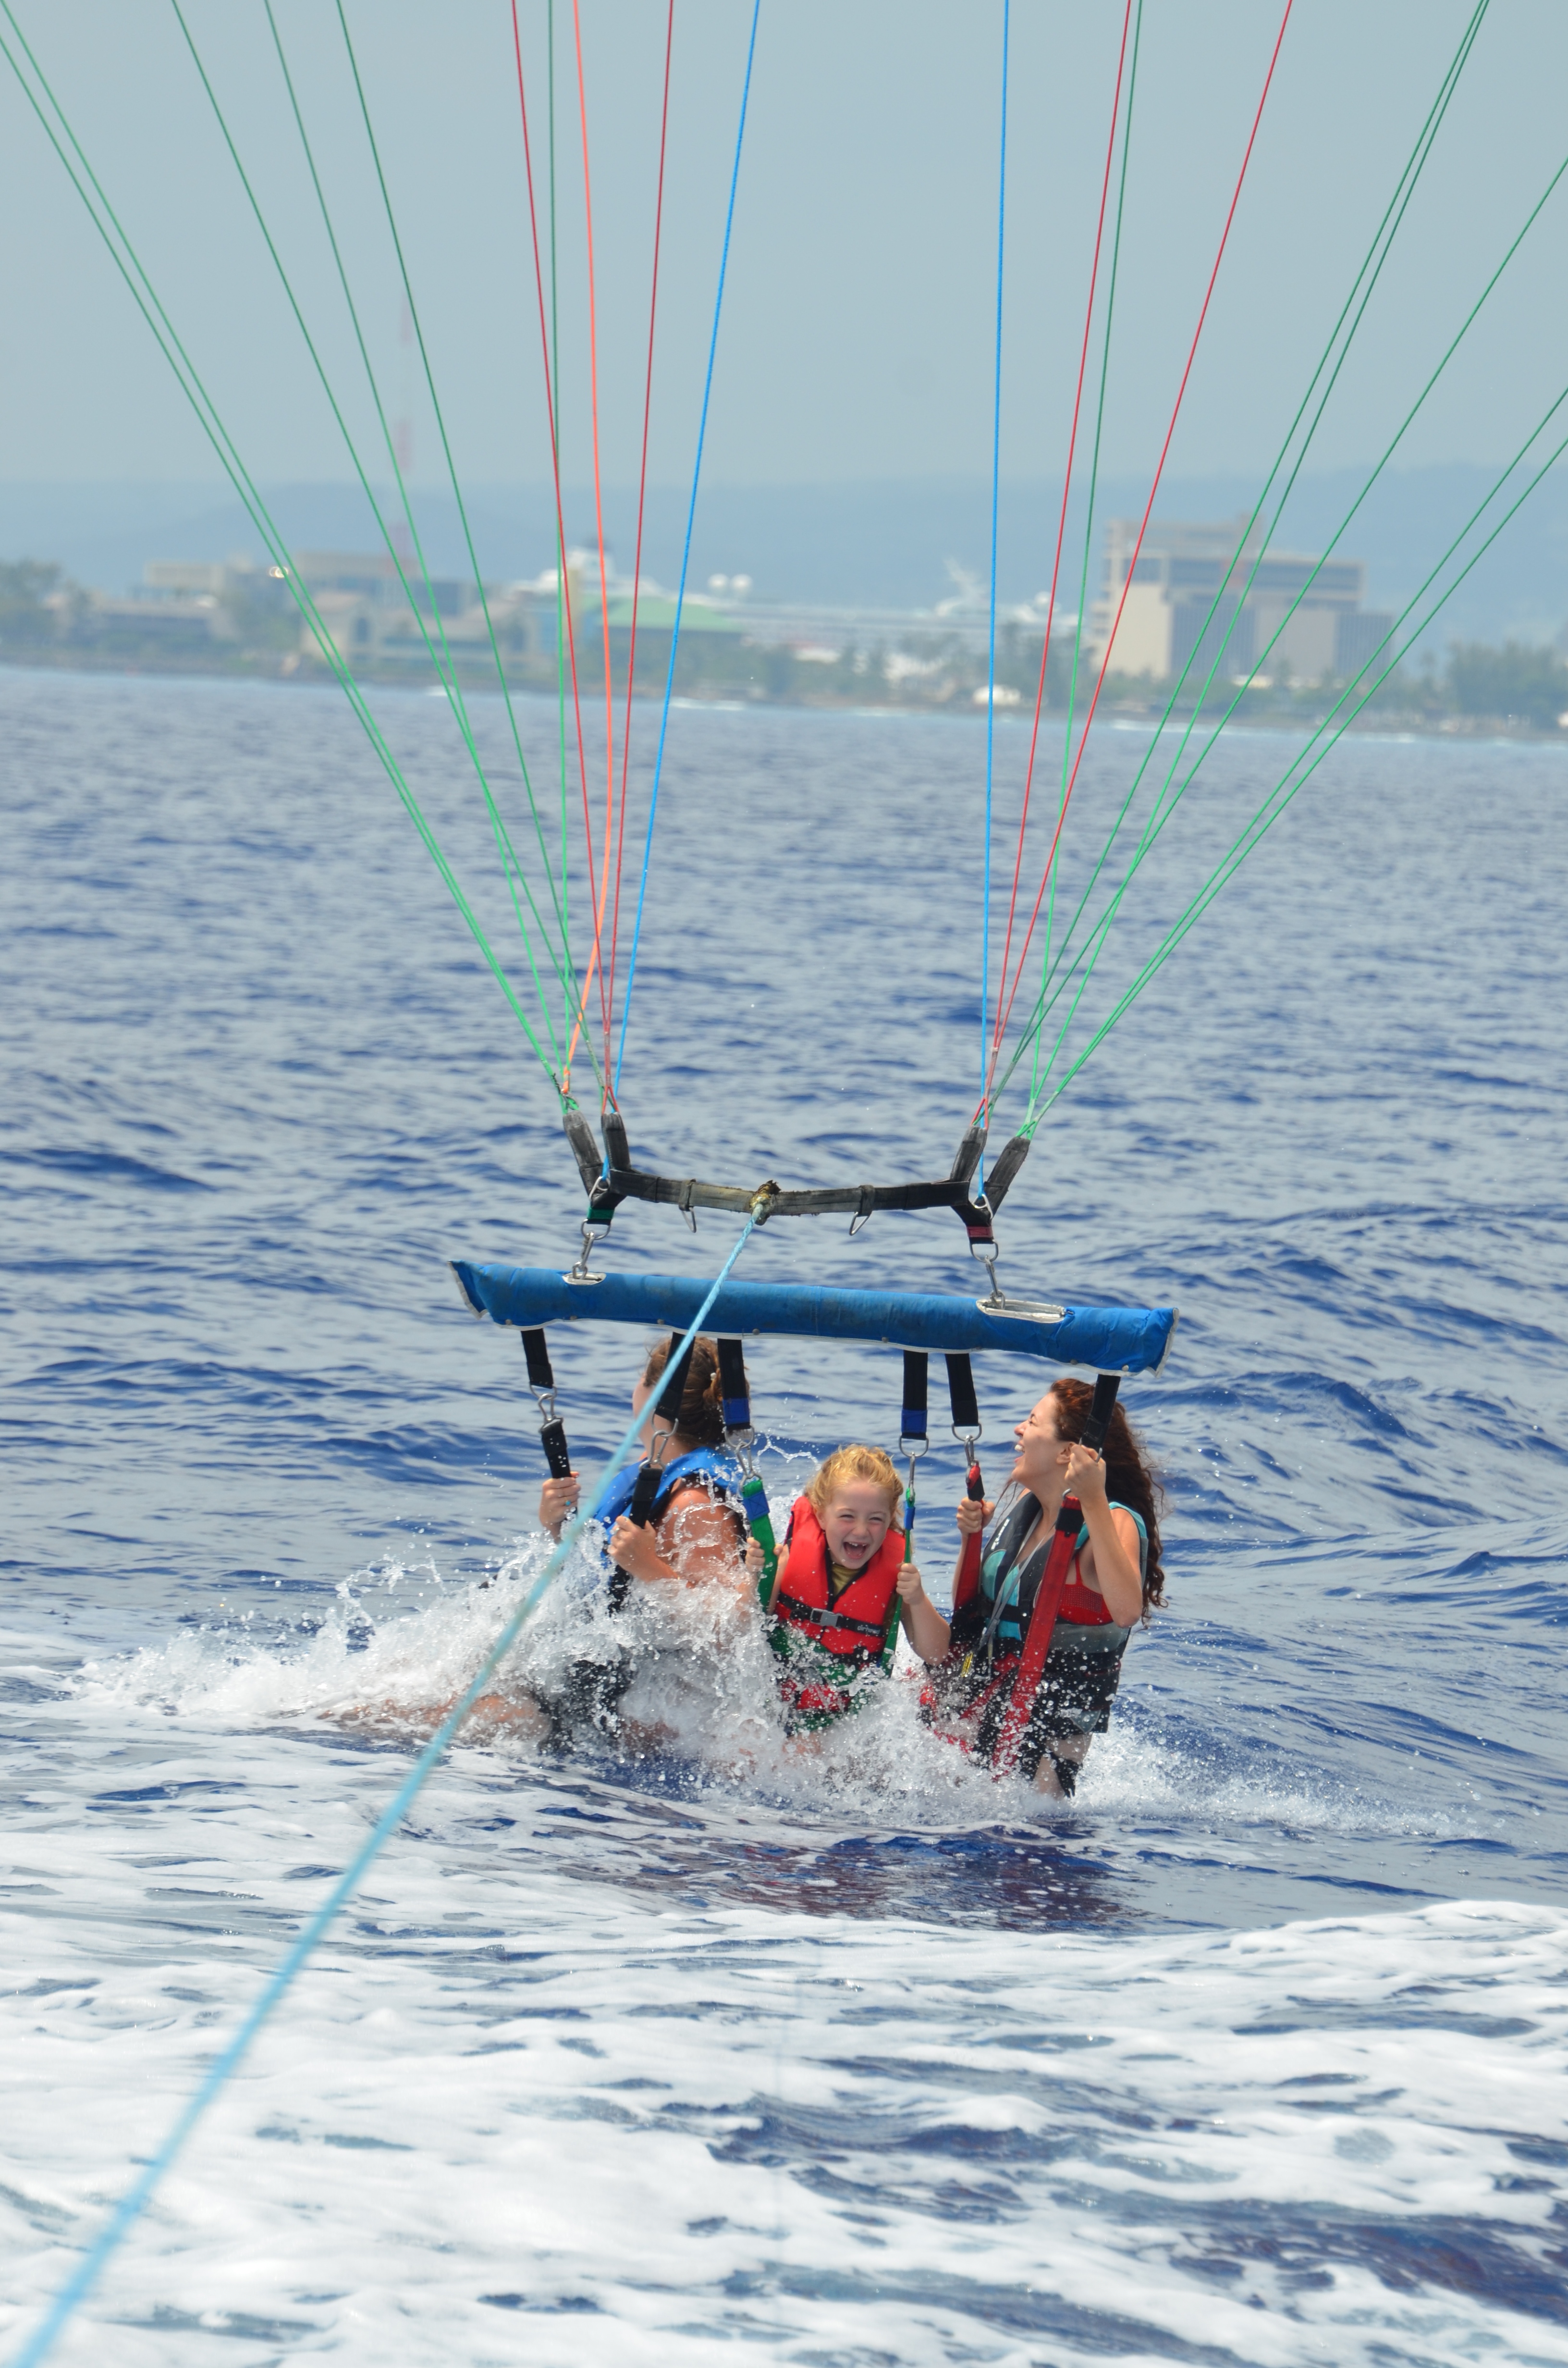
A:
[857,340]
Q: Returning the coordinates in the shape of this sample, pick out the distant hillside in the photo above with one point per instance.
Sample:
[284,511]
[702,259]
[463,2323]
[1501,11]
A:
[877,544]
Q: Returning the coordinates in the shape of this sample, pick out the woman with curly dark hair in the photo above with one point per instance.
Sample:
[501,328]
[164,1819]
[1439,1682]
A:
[1113,1582]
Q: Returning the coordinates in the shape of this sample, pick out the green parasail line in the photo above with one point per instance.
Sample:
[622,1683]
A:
[561,964]
[447,672]
[1285,789]
[1094,483]
[441,429]
[167,339]
[1164,806]
[1373,262]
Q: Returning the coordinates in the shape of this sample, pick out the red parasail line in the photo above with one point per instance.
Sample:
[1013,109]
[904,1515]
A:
[595,961]
[560,514]
[642,490]
[1062,522]
[1111,642]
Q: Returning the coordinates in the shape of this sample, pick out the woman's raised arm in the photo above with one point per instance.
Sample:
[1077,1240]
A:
[1113,1538]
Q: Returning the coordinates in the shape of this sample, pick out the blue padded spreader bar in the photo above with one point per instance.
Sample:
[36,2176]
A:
[1108,1339]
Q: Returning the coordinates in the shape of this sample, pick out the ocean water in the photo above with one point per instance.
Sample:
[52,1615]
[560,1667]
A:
[1253,2053]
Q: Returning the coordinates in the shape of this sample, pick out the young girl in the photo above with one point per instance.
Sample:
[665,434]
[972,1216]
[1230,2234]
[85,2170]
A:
[1114,1580]
[843,1585]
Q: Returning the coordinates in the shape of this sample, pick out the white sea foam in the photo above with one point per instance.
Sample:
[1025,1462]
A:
[509,2087]
[703,1695]
[576,2055]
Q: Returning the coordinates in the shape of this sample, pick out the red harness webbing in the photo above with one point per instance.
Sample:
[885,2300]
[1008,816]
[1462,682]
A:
[1041,1627]
[968,1577]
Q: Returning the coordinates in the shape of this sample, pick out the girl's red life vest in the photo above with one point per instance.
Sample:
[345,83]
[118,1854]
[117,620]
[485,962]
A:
[817,1687]
[852,1625]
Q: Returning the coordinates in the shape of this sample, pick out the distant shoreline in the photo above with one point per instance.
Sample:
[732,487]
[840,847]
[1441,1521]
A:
[1393,724]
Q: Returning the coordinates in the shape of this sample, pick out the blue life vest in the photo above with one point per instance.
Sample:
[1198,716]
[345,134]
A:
[709,1465]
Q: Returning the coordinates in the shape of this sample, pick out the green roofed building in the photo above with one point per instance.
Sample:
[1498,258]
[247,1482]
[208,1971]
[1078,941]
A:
[656,615]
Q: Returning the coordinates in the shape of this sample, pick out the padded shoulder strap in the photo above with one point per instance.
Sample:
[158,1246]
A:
[1142,1537]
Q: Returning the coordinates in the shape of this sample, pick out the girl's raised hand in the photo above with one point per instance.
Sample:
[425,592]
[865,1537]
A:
[1086,1474]
[919,1618]
[755,1561]
[558,1501]
[971,1516]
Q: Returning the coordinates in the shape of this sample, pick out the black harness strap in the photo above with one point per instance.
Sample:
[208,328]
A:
[673,1389]
[616,1145]
[733,1386]
[584,1150]
[542,1381]
[667,1408]
[1097,1422]
[966,1428]
[960,1395]
[813,1616]
[536,1349]
[912,1422]
[1009,1159]
[650,1478]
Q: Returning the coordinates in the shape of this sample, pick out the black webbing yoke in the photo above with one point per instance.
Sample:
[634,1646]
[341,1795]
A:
[610,1178]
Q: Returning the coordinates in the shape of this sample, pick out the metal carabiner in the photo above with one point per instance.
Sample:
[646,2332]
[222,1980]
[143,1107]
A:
[912,1446]
[583,1271]
[988,1253]
[741,1445]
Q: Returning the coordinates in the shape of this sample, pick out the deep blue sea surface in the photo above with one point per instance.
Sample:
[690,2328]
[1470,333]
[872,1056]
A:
[1254,2051]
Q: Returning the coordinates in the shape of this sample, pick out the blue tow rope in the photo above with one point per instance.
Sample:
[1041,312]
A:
[134,2201]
